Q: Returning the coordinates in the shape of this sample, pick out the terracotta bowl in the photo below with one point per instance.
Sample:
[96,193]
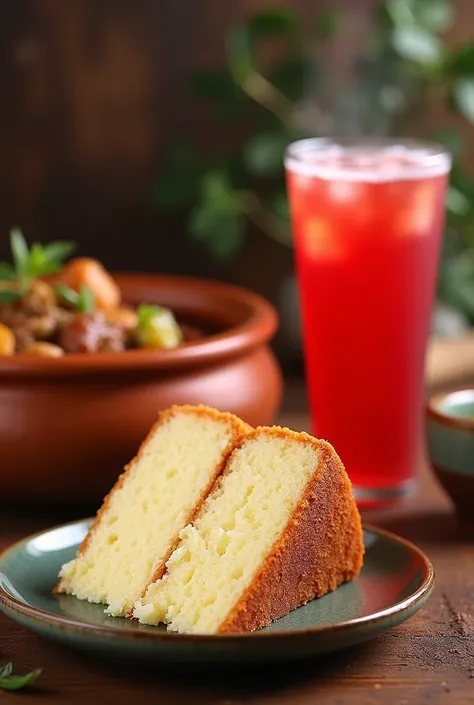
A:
[450,435]
[68,425]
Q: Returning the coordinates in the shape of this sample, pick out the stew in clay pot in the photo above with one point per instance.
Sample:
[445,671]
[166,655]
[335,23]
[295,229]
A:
[51,306]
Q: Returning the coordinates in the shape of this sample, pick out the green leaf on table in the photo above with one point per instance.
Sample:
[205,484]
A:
[273,21]
[263,154]
[6,670]
[463,97]
[417,45]
[328,23]
[11,682]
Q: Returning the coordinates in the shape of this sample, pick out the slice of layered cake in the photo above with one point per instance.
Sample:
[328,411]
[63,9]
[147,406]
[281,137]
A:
[159,493]
[279,528]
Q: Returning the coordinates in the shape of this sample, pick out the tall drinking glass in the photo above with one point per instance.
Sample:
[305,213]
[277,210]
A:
[367,218]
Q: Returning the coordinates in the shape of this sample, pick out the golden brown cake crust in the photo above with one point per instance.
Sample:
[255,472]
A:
[240,429]
[320,548]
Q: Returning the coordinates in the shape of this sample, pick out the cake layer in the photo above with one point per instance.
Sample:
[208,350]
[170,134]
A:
[279,528]
[158,494]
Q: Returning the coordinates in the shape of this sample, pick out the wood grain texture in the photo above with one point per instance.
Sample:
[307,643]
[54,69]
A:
[429,659]
[92,93]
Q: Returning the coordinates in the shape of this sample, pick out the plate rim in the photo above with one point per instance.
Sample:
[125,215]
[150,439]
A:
[149,633]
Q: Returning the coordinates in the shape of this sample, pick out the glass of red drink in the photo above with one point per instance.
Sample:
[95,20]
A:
[367,218]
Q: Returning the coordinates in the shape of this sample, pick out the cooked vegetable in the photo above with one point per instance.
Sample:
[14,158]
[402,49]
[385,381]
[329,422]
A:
[48,308]
[23,339]
[157,328]
[44,350]
[40,298]
[42,327]
[83,272]
[125,318]
[91,333]
[7,340]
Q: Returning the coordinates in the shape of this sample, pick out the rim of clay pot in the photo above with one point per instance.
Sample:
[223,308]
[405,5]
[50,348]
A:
[246,319]
[436,413]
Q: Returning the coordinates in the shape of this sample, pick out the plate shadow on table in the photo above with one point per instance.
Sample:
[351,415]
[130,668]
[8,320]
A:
[237,680]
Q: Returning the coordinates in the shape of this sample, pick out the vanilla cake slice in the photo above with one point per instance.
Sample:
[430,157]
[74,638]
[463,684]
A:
[159,493]
[279,528]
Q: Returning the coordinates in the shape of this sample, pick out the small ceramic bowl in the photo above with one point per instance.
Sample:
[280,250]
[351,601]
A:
[450,435]
[69,424]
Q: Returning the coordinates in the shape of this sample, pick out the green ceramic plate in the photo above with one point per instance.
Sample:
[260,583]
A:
[395,582]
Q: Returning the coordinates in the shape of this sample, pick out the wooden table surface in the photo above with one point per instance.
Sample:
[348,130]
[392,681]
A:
[429,659]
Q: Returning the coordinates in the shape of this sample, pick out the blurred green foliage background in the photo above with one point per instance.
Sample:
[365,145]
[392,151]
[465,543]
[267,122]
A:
[277,87]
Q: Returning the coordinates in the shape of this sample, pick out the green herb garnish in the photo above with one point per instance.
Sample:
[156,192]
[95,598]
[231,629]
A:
[7,296]
[10,681]
[30,263]
[83,302]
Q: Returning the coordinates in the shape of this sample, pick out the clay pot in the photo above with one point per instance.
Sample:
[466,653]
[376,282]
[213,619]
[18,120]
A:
[70,424]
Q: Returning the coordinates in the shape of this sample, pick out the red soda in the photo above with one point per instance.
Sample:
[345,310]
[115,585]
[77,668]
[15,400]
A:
[367,222]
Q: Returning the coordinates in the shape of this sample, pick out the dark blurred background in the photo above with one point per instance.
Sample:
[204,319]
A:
[94,91]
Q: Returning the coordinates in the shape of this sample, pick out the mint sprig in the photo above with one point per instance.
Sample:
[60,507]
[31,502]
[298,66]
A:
[82,301]
[30,263]
[11,681]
